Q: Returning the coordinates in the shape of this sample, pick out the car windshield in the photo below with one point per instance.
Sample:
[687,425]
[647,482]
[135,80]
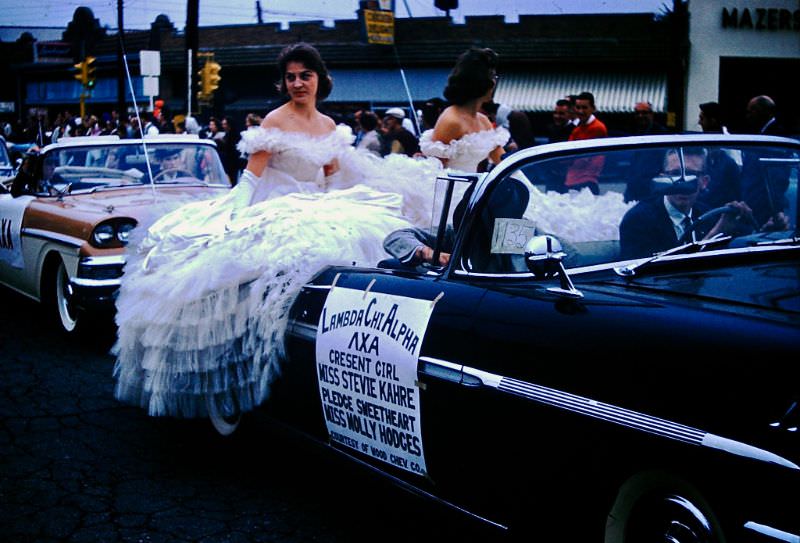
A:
[106,166]
[625,204]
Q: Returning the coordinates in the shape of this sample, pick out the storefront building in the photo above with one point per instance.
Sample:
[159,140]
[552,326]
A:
[741,49]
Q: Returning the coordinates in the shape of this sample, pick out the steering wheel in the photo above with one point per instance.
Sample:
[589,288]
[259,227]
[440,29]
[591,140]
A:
[163,173]
[705,221]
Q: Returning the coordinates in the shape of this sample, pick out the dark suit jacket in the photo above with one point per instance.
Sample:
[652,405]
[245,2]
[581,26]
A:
[647,229]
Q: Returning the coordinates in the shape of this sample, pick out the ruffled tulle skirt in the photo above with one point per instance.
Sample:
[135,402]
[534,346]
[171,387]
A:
[204,300]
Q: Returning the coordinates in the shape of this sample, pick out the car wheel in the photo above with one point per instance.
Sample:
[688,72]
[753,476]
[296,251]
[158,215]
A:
[669,518]
[225,416]
[59,299]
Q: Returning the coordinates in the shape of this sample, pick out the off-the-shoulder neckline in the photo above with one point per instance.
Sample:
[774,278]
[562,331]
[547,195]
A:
[298,133]
[428,134]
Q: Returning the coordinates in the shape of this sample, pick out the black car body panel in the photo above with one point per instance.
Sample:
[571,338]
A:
[562,414]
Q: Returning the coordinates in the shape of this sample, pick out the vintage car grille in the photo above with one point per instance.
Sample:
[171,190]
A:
[101,268]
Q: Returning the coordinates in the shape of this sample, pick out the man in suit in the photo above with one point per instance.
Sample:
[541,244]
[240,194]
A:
[766,194]
[760,117]
[660,222]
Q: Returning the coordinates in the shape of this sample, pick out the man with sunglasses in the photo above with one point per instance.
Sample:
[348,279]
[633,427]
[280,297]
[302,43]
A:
[667,219]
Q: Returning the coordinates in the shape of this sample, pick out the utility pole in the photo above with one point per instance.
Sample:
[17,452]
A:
[121,108]
[192,16]
[258,12]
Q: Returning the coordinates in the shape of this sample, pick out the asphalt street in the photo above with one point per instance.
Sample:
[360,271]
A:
[76,465]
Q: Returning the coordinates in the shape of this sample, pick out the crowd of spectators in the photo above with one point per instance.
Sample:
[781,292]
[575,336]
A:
[384,131]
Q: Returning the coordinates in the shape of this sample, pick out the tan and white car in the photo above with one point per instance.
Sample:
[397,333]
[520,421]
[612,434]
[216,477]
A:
[63,242]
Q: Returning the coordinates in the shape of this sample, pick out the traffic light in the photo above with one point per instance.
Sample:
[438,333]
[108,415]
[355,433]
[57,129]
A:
[85,73]
[209,79]
[90,79]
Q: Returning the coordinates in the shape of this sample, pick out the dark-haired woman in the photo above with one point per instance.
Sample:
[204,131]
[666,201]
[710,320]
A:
[202,306]
[463,136]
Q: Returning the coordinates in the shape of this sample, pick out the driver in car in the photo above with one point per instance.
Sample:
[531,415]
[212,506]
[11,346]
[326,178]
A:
[170,165]
[36,176]
[667,219]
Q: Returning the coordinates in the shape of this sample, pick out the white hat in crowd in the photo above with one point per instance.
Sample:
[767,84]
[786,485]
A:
[396,112]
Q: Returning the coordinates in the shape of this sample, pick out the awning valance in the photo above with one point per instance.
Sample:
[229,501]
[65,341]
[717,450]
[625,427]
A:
[614,92]
[384,85]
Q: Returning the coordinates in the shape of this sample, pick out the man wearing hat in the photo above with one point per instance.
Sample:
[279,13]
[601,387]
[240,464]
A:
[396,138]
[170,164]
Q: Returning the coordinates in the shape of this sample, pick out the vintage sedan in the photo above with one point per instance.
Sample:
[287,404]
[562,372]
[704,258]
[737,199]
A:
[63,241]
[546,384]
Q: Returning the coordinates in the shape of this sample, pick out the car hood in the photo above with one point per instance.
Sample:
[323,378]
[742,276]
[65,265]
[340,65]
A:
[143,204]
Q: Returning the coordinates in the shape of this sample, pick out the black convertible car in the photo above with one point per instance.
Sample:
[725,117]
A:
[584,366]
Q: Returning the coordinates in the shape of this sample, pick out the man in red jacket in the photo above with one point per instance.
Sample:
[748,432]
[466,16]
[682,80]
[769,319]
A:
[584,171]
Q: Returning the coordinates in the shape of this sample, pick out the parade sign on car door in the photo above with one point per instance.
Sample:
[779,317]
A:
[367,351]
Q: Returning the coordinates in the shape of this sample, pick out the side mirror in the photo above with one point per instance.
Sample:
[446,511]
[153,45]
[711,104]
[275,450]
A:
[543,256]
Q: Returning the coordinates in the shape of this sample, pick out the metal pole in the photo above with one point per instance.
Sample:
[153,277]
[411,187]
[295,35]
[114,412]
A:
[189,83]
[120,75]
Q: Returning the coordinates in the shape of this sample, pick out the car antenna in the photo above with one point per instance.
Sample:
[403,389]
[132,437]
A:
[138,119]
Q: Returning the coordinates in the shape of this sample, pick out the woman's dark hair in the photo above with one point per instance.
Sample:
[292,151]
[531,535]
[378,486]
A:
[472,76]
[368,121]
[309,57]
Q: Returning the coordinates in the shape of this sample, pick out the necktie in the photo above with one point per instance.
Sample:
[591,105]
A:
[686,223]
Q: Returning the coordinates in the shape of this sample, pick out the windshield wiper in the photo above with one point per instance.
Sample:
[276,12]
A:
[686,248]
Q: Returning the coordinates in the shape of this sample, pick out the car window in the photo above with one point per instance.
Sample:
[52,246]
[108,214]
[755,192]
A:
[109,166]
[624,204]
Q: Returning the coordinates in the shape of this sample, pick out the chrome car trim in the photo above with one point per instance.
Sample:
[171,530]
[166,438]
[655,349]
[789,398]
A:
[692,509]
[743,449]
[602,411]
[94,283]
[773,246]
[441,369]
[318,287]
[110,260]
[774,533]
[302,330]
[52,236]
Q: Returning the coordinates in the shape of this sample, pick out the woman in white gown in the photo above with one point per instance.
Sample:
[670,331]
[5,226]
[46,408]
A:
[461,139]
[202,307]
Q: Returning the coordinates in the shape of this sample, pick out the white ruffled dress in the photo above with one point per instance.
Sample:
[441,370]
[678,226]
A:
[204,299]
[575,216]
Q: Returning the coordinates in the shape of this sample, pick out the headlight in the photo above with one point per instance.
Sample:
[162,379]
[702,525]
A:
[112,233]
[124,231]
[103,234]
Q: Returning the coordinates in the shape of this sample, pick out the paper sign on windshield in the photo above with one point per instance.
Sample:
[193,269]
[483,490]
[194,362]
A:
[511,235]
[367,351]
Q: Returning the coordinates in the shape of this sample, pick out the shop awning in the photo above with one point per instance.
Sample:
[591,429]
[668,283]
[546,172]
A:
[614,92]
[383,85]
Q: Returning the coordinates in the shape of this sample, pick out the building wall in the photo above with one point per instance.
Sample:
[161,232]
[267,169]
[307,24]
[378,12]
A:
[710,43]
